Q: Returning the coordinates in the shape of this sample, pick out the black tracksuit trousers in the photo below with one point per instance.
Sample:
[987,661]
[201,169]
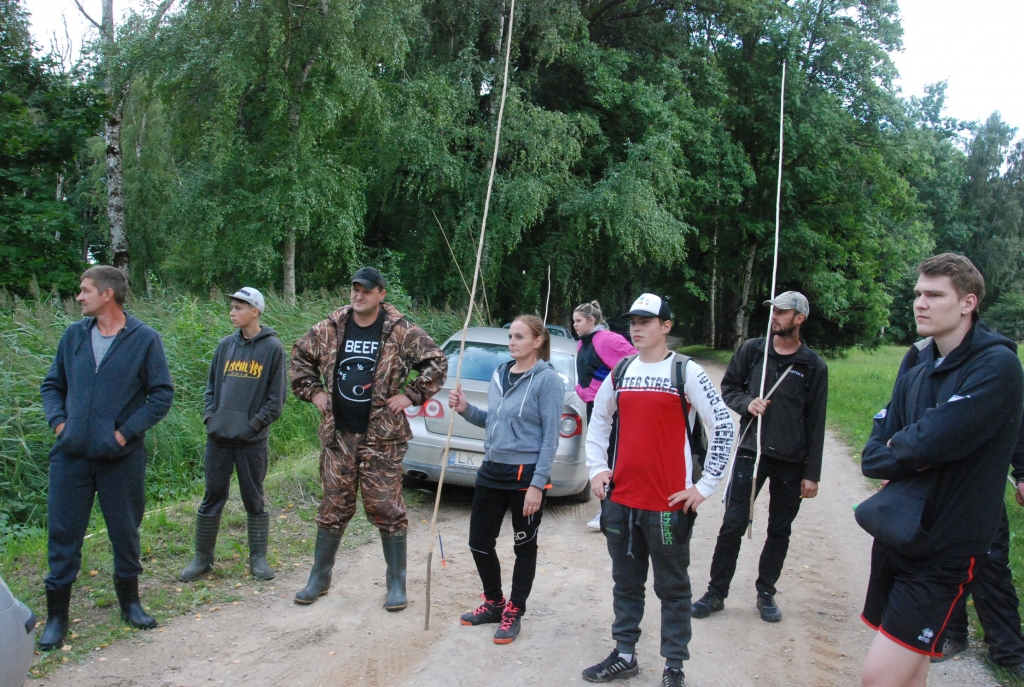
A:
[489,508]
[784,488]
[251,464]
[995,600]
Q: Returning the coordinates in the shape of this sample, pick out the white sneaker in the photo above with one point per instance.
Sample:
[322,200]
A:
[595,523]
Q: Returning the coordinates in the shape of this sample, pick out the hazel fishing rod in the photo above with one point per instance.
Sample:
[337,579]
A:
[771,310]
[469,309]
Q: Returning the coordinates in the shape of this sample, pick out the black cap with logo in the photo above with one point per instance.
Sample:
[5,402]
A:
[368,277]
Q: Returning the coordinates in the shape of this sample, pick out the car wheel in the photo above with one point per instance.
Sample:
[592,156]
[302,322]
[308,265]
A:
[410,482]
[581,496]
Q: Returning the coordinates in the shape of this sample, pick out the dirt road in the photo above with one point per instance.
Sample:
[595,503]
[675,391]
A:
[347,638]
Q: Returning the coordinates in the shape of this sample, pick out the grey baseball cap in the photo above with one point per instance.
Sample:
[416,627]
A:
[791,300]
[249,295]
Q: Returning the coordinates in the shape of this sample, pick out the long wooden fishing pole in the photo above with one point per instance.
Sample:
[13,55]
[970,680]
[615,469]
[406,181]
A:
[469,310]
[547,301]
[771,310]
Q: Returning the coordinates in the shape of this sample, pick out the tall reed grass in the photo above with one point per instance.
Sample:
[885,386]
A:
[30,331]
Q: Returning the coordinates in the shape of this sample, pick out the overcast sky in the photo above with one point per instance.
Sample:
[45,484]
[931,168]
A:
[975,45]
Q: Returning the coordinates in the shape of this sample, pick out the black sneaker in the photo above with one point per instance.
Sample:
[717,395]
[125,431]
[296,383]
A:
[487,612]
[511,621]
[706,605]
[611,668]
[770,613]
[673,677]
[950,648]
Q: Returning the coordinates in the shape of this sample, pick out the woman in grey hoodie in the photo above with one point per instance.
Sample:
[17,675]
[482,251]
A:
[524,405]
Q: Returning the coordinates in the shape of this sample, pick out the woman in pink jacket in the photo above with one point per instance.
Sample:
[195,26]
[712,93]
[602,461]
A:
[597,352]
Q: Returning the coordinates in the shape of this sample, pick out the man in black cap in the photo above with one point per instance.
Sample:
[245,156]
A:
[792,439]
[353,367]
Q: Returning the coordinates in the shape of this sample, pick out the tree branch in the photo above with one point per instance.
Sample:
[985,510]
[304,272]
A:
[86,15]
[158,16]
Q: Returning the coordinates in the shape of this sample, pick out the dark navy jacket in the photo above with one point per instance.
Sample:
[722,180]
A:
[954,428]
[130,392]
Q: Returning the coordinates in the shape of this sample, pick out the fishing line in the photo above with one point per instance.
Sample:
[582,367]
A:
[771,310]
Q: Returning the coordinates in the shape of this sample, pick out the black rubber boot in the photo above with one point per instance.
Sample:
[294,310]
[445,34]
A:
[394,556]
[127,589]
[58,601]
[206,539]
[259,533]
[327,542]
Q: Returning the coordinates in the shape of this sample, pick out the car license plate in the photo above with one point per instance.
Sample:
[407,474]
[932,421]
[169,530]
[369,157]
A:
[463,460]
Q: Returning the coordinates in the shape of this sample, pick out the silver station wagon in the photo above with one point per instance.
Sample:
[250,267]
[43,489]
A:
[486,348]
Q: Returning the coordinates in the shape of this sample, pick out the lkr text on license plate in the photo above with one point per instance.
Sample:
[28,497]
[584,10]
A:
[464,460]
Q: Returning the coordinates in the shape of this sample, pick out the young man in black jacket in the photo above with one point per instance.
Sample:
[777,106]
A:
[245,394]
[942,447]
[108,384]
[792,439]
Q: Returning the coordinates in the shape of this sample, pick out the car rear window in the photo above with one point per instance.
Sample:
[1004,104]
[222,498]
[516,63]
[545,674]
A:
[482,359]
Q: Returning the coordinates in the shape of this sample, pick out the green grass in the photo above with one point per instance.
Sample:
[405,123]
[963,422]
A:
[190,327]
[860,385]
[707,353]
[293,492]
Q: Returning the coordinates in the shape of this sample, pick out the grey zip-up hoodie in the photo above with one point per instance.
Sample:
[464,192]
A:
[522,425]
[246,388]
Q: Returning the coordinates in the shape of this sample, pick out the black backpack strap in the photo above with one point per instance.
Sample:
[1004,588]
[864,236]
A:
[620,369]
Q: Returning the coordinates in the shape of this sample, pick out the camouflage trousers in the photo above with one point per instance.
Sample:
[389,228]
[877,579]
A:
[376,469]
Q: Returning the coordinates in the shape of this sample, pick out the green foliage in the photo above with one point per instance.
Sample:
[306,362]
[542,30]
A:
[46,116]
[190,328]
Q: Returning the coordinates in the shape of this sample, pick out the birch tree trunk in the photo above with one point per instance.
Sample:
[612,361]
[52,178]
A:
[740,326]
[115,162]
[115,188]
[289,265]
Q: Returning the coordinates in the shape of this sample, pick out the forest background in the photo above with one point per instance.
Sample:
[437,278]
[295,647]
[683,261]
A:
[203,144]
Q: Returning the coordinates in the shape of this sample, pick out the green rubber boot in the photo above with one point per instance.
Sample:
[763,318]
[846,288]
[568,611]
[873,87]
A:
[327,542]
[259,533]
[394,555]
[206,539]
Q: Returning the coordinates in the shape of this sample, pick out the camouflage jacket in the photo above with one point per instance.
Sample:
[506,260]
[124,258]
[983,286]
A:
[406,347]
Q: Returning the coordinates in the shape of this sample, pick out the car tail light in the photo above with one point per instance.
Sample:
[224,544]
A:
[571,425]
[432,409]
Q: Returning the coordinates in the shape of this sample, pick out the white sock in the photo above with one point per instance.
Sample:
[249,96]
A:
[628,658]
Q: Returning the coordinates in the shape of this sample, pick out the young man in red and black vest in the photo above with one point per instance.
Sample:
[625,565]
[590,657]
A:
[650,495]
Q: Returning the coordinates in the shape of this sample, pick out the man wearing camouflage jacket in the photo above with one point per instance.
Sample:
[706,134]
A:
[352,367]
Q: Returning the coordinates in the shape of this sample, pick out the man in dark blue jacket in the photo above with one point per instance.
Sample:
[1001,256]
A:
[943,446]
[108,384]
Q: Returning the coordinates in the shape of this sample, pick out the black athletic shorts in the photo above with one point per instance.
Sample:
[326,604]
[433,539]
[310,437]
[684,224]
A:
[910,600]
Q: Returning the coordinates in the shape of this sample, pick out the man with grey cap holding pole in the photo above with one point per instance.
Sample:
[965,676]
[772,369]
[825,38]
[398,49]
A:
[245,394]
[792,439]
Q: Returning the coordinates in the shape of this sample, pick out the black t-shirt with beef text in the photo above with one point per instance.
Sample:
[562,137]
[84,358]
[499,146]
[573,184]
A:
[353,376]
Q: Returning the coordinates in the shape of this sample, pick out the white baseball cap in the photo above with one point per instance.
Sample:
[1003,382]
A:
[791,300]
[249,295]
[649,305]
